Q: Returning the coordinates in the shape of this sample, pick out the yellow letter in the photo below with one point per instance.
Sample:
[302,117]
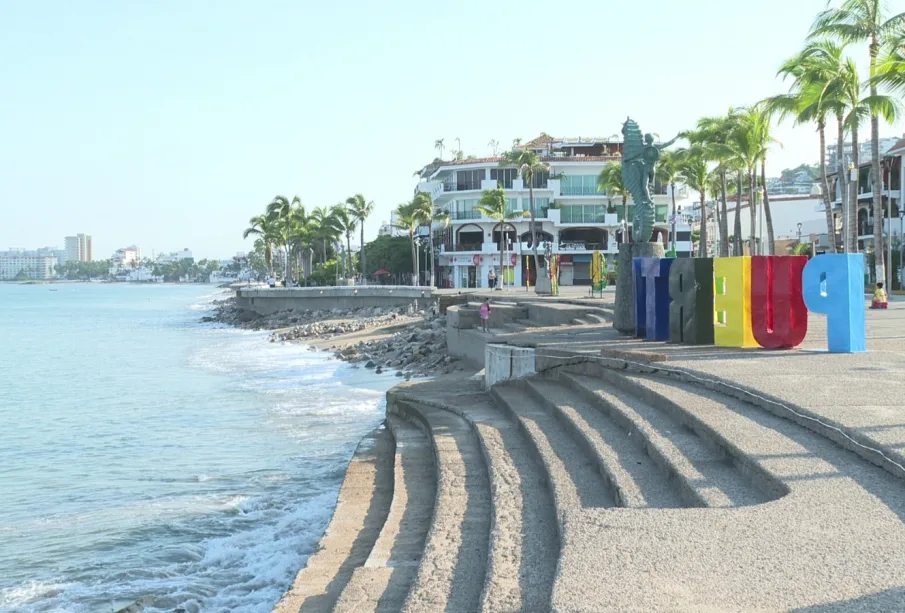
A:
[732,302]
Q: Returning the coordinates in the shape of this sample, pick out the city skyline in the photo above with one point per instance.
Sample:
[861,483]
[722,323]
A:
[185,148]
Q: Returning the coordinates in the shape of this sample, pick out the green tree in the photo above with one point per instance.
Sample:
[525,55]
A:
[858,21]
[709,132]
[281,211]
[360,210]
[529,165]
[326,230]
[409,216]
[345,223]
[438,145]
[494,204]
[610,181]
[22,275]
[392,253]
[668,173]
[264,227]
[694,170]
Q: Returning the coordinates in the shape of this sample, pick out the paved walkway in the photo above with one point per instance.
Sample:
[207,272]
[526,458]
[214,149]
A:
[861,394]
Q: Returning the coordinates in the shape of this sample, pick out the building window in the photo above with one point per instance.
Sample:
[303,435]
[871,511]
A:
[578,185]
[539,179]
[504,176]
[464,209]
[583,213]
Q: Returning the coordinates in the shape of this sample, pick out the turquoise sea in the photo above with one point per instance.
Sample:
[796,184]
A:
[143,453]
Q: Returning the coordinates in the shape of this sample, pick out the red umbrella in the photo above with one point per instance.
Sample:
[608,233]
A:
[382,272]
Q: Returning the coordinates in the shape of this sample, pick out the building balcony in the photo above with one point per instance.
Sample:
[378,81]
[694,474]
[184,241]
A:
[461,186]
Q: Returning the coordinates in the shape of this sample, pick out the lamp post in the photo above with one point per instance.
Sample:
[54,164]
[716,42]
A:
[799,232]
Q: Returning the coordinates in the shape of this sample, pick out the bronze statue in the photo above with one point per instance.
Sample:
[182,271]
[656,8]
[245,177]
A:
[639,167]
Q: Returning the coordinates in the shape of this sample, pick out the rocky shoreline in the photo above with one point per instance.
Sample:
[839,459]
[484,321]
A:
[406,342]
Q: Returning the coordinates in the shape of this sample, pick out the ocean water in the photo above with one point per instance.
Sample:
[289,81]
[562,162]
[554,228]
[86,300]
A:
[143,453]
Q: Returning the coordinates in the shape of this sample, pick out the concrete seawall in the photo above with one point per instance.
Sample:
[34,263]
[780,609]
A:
[266,301]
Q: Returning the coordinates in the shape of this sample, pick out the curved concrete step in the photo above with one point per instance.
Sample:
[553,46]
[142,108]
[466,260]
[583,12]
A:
[361,509]
[451,574]
[635,479]
[603,317]
[581,322]
[384,581]
[572,474]
[705,472]
[524,536]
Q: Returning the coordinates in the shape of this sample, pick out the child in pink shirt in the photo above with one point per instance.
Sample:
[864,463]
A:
[485,314]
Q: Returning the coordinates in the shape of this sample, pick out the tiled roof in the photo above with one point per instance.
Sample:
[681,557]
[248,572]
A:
[543,139]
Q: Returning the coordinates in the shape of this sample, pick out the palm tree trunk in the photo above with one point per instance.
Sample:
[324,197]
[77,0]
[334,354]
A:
[737,226]
[537,267]
[675,214]
[324,246]
[827,200]
[724,217]
[430,241]
[363,273]
[351,271]
[414,258]
[843,178]
[876,183]
[702,247]
[752,209]
[768,216]
[854,187]
[502,244]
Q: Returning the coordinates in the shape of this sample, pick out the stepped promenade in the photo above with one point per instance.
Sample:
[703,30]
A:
[630,476]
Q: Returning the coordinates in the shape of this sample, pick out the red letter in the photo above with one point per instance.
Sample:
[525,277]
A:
[779,318]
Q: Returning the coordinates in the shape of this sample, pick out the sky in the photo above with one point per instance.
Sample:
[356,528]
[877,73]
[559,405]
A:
[168,124]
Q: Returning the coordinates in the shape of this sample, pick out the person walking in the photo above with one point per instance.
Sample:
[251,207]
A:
[485,315]
[491,279]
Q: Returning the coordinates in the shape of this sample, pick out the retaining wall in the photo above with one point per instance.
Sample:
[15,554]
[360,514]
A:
[271,300]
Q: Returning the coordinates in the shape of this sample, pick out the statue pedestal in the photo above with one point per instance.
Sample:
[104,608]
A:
[543,286]
[624,316]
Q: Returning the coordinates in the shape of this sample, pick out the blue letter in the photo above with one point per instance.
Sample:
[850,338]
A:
[656,272]
[842,301]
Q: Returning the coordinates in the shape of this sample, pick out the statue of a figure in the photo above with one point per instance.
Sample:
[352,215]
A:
[639,167]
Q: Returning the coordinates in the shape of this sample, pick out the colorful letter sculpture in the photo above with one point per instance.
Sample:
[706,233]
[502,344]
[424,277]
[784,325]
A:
[640,297]
[834,284]
[691,309]
[779,318]
[732,302]
[749,301]
[656,275]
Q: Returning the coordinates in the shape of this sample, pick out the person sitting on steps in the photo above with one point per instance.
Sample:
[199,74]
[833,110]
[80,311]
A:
[880,300]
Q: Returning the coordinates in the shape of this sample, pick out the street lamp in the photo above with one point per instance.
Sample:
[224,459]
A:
[799,232]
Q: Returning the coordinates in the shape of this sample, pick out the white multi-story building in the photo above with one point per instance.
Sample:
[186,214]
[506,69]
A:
[79,248]
[185,254]
[33,264]
[126,257]
[574,218]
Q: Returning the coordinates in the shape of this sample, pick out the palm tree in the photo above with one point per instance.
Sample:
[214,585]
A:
[345,223]
[301,237]
[360,210]
[610,181]
[325,229]
[694,170]
[811,98]
[494,145]
[667,173]
[494,204]
[280,209]
[438,145]
[711,131]
[263,227]
[858,21]
[428,214]
[409,216]
[529,164]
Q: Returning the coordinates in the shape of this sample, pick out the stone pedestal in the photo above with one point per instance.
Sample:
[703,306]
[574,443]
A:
[543,285]
[624,317]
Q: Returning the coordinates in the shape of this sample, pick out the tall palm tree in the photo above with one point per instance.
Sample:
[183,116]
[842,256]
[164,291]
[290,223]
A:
[280,209]
[695,172]
[610,181]
[301,237]
[812,98]
[667,173]
[409,216]
[857,21]
[529,164]
[494,145]
[711,131]
[494,204]
[325,229]
[438,145]
[428,213]
[263,227]
[360,210]
[345,223]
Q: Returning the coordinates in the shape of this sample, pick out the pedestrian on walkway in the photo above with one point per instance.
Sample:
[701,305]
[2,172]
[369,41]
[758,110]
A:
[491,279]
[485,315]
[879,301]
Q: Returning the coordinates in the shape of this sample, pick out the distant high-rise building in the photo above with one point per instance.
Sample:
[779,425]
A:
[79,248]
[30,264]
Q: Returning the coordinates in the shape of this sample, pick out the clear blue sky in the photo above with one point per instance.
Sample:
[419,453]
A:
[170,123]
